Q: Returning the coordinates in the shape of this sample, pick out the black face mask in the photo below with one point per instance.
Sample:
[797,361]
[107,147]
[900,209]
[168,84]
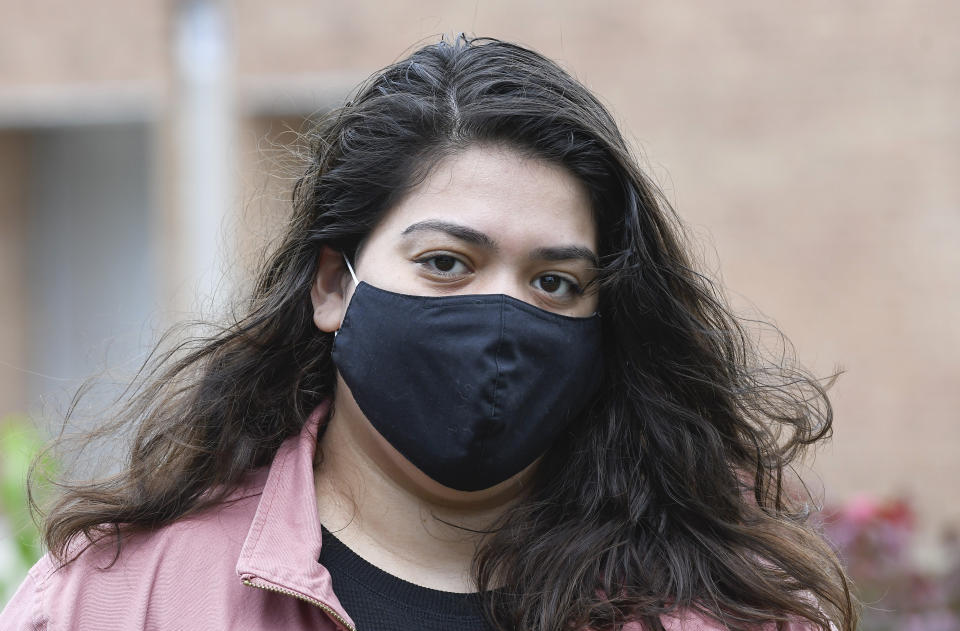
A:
[471,389]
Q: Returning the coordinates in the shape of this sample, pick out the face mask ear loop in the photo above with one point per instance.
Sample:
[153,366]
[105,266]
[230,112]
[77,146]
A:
[355,281]
[350,269]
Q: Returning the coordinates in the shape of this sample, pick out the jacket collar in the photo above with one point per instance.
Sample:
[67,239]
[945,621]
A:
[282,546]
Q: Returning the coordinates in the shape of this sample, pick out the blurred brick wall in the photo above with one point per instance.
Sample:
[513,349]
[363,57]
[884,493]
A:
[49,42]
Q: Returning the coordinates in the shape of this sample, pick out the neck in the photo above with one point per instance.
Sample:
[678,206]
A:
[394,517]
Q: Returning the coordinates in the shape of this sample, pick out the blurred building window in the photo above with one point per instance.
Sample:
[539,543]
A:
[92,274]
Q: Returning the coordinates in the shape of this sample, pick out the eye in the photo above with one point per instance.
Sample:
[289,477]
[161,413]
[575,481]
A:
[557,286]
[443,265]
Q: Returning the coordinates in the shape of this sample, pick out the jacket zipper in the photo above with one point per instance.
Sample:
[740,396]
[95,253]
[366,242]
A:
[254,582]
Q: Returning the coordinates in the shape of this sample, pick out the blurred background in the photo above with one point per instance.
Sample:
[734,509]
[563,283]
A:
[148,148]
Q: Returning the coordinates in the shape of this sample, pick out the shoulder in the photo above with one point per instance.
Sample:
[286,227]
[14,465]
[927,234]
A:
[192,544]
[157,575]
[24,610]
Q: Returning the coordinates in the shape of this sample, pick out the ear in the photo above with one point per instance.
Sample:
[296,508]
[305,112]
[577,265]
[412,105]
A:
[328,292]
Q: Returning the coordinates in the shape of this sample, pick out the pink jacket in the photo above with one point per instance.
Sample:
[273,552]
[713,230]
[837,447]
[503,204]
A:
[248,564]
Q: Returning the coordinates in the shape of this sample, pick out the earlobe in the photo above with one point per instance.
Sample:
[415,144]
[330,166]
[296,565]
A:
[327,294]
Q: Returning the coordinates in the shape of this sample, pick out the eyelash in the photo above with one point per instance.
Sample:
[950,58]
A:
[575,288]
[424,262]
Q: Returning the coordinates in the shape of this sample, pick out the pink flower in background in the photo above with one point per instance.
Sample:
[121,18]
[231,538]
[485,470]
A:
[874,538]
[860,510]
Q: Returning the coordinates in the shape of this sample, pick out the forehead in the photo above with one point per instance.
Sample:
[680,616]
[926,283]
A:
[517,200]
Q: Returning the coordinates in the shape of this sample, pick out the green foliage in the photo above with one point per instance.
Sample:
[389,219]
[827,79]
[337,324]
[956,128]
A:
[20,442]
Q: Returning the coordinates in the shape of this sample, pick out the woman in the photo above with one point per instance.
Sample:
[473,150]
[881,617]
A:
[479,385]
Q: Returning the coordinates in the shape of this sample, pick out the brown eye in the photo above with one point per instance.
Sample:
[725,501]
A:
[444,263]
[550,283]
[558,286]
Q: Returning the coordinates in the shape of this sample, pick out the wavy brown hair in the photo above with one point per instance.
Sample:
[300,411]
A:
[668,494]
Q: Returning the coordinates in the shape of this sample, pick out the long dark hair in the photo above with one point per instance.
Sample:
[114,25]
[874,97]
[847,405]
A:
[669,494]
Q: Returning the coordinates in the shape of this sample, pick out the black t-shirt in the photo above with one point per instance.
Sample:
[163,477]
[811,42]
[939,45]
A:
[378,601]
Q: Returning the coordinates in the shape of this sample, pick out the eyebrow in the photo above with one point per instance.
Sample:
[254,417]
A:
[470,235]
[455,230]
[566,253]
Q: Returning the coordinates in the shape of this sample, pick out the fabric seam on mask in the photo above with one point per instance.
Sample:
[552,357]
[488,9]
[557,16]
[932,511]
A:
[496,359]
